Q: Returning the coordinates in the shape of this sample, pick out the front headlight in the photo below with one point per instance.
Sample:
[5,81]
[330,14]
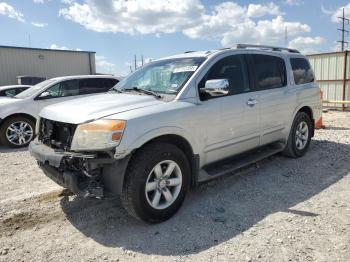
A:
[99,134]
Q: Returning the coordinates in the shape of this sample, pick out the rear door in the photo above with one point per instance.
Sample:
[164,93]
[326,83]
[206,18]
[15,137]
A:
[275,98]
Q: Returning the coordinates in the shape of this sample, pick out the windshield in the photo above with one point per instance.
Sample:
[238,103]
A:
[32,90]
[166,76]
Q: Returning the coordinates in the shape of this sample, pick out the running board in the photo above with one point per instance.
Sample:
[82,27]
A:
[232,164]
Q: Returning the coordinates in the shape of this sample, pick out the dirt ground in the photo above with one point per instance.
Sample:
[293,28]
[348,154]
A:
[277,210]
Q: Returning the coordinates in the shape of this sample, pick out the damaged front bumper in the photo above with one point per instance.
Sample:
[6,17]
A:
[89,175]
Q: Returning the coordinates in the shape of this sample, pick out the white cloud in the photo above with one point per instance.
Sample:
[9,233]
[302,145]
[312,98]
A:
[57,47]
[306,44]
[104,66]
[258,10]
[227,22]
[40,1]
[39,24]
[133,17]
[338,13]
[293,2]
[9,11]
[54,46]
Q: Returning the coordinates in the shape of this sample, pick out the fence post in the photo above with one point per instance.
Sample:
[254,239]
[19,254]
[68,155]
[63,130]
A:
[345,77]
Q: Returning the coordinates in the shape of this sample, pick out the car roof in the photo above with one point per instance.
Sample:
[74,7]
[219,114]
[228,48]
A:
[238,48]
[83,76]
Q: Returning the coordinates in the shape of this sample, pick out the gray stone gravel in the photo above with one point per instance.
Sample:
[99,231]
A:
[278,210]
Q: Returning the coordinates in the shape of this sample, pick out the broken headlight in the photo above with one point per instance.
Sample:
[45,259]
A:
[97,135]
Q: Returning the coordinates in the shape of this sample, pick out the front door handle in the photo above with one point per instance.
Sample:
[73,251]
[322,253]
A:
[251,102]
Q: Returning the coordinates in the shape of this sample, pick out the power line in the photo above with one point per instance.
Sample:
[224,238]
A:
[343,31]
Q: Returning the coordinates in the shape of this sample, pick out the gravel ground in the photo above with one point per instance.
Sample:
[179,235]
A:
[277,210]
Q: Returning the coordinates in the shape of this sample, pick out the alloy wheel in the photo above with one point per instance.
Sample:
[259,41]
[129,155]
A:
[301,135]
[19,133]
[163,184]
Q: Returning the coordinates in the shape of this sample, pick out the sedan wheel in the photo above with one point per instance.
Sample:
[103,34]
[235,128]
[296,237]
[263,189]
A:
[19,133]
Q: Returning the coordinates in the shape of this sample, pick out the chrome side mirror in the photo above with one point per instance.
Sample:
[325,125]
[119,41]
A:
[44,94]
[216,87]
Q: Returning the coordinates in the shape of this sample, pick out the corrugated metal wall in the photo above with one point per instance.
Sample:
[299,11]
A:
[43,63]
[329,73]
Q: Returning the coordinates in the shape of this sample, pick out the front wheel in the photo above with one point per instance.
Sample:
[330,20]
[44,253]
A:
[156,182]
[299,137]
[17,131]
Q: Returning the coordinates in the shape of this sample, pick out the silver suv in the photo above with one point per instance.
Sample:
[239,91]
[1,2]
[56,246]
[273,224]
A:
[177,122]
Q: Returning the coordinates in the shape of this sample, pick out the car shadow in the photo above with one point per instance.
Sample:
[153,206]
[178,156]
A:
[217,211]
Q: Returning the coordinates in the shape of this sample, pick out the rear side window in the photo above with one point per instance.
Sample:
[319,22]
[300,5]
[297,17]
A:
[96,85]
[302,71]
[270,71]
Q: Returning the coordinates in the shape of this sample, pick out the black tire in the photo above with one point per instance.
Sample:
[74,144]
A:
[5,125]
[133,194]
[291,149]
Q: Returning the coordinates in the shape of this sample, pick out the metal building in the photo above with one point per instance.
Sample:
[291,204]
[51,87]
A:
[45,63]
[332,74]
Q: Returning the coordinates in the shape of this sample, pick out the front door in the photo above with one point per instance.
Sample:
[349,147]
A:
[233,120]
[59,92]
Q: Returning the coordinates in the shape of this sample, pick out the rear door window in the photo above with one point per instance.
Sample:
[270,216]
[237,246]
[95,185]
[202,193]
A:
[96,85]
[270,71]
[302,71]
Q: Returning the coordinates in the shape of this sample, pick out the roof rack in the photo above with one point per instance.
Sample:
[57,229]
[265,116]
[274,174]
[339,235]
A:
[264,47]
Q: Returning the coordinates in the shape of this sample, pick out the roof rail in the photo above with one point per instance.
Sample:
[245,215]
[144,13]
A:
[273,48]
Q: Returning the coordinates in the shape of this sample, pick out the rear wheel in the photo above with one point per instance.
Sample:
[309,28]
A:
[17,131]
[156,182]
[299,137]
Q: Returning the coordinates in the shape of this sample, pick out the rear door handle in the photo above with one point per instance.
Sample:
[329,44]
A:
[251,102]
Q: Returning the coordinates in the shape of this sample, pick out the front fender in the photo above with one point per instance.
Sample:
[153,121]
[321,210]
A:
[154,133]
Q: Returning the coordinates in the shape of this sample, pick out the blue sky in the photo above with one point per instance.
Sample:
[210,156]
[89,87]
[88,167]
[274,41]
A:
[117,30]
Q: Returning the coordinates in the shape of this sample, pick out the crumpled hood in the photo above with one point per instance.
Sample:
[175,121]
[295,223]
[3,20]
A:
[80,110]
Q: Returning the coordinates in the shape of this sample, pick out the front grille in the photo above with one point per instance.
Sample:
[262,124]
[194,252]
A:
[55,134]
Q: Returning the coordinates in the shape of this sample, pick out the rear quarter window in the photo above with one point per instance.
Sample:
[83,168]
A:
[302,71]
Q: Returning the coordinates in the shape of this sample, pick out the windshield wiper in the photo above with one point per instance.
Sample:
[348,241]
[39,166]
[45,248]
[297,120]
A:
[116,90]
[146,91]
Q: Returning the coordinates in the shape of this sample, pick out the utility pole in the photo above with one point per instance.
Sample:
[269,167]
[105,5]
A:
[343,31]
[135,63]
[29,41]
[142,60]
[286,36]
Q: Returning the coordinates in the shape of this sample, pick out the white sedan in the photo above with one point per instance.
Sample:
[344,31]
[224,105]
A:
[19,114]
[12,90]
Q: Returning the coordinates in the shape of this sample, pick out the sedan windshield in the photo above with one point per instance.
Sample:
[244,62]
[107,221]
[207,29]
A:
[165,76]
[34,89]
